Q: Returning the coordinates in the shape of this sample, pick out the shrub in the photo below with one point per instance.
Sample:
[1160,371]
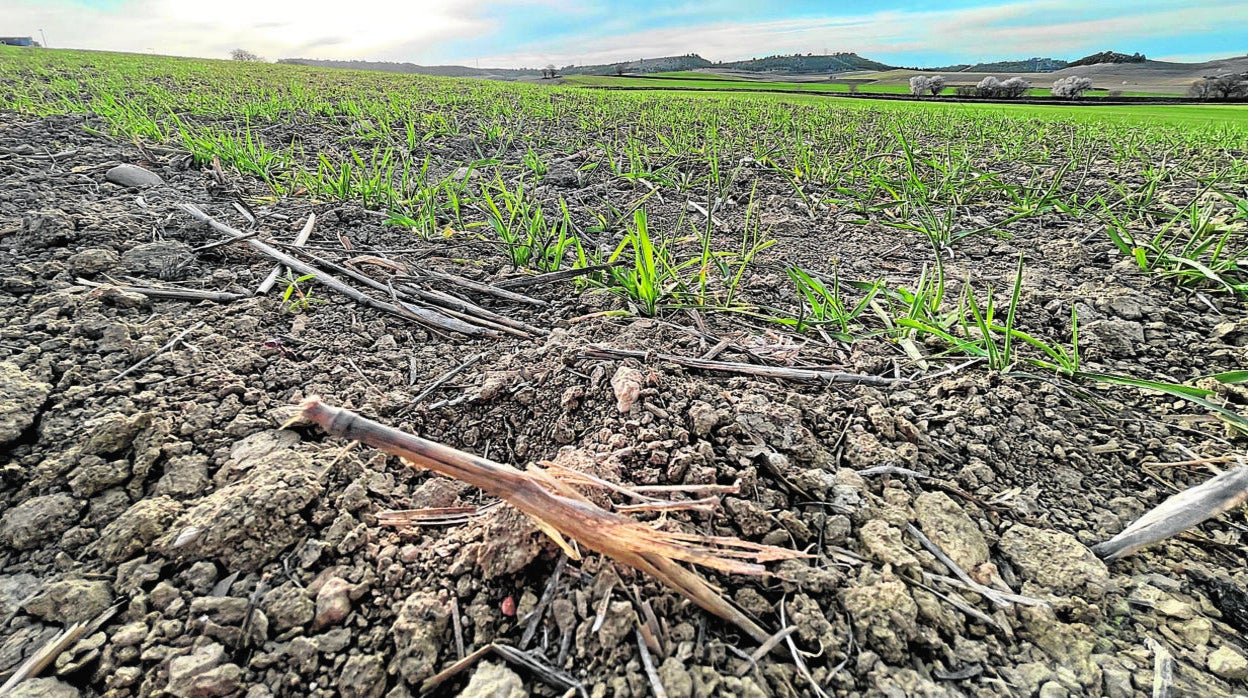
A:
[242,54]
[1071,87]
[1231,86]
[966,91]
[1013,88]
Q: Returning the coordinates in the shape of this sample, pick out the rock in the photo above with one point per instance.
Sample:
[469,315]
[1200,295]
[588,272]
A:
[92,261]
[20,401]
[185,476]
[94,475]
[511,542]
[1193,633]
[675,678]
[43,688]
[70,601]
[417,634]
[363,676]
[1228,664]
[133,531]
[948,526]
[112,433]
[38,520]
[1055,561]
[1111,338]
[884,543]
[288,607]
[333,603]
[13,590]
[248,524]
[494,680]
[748,516]
[132,176]
[1071,644]
[702,418]
[155,258]
[627,383]
[883,615]
[203,674]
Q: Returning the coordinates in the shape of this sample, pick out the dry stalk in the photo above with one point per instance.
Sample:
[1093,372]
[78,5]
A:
[562,512]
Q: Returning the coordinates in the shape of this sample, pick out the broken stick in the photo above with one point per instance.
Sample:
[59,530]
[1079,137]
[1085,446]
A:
[559,510]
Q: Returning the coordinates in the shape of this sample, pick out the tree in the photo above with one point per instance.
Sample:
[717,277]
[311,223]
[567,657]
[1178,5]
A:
[936,84]
[1230,86]
[919,85]
[242,54]
[550,71]
[1013,88]
[1071,87]
[988,87]
[619,69]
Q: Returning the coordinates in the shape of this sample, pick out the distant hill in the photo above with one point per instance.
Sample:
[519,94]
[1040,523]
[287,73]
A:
[806,63]
[1030,65]
[1107,57]
[666,64]
[450,71]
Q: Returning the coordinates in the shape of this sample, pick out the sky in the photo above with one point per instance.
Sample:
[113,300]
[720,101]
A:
[531,33]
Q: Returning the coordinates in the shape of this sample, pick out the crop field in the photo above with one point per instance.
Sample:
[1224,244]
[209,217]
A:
[887,375]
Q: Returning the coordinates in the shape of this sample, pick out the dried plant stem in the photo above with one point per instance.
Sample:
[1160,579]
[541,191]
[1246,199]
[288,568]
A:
[559,511]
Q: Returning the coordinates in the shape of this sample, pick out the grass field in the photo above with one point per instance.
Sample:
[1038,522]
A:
[886,374]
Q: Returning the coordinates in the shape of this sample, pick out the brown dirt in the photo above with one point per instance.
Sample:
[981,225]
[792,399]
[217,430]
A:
[248,560]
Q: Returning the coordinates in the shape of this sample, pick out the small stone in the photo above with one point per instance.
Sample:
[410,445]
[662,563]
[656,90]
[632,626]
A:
[155,258]
[20,401]
[1194,633]
[71,601]
[92,261]
[883,616]
[132,176]
[417,632]
[185,476]
[38,520]
[363,676]
[1055,560]
[494,680]
[184,670]
[702,418]
[1228,664]
[333,603]
[884,543]
[288,607]
[43,688]
[627,383]
[948,526]
[131,532]
[112,433]
[675,678]
[1053,689]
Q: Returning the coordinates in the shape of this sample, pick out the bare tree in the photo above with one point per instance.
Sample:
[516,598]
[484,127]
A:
[1071,87]
[936,84]
[242,54]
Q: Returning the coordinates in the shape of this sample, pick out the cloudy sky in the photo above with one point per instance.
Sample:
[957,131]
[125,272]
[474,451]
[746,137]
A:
[510,33]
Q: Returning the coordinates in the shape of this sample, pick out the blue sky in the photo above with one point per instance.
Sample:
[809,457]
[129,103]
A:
[536,32]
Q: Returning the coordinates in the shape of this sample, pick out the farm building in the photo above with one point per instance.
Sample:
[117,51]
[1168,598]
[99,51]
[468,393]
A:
[17,41]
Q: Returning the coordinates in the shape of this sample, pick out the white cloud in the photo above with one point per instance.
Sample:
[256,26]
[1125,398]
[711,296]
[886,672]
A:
[1016,30]
[389,29]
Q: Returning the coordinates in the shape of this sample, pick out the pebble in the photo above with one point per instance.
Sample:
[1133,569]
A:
[20,400]
[1228,664]
[133,176]
[333,603]
[494,680]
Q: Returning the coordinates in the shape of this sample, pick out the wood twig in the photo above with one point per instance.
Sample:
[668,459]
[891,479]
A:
[647,663]
[164,348]
[1177,514]
[181,294]
[300,240]
[423,316]
[780,372]
[39,661]
[562,512]
[442,380]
